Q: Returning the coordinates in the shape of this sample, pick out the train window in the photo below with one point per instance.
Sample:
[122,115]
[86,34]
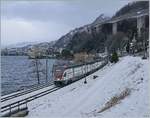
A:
[65,74]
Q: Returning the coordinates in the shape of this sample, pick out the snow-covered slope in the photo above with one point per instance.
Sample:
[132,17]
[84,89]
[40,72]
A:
[86,100]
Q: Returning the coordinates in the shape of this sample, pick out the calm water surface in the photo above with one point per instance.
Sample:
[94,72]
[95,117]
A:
[15,73]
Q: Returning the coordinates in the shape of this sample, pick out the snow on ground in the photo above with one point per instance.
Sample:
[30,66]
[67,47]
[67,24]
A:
[10,101]
[86,100]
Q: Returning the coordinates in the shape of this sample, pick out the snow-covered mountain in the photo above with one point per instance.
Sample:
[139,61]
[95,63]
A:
[100,19]
[26,44]
[64,40]
[24,47]
[133,7]
[19,45]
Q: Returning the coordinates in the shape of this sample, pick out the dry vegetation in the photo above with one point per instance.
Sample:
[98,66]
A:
[116,99]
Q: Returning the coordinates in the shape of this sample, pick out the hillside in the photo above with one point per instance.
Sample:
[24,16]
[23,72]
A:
[120,89]
[65,40]
[88,39]
[133,7]
[23,48]
[100,19]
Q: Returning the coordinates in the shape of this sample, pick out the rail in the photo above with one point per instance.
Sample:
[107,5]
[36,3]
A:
[17,104]
[8,97]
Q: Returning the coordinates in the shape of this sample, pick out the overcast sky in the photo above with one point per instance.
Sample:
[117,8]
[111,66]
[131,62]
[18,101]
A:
[40,21]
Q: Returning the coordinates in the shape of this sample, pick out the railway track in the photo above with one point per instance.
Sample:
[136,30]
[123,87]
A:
[34,88]
[18,103]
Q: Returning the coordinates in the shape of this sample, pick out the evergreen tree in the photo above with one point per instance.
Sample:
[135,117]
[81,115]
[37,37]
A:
[66,53]
[114,58]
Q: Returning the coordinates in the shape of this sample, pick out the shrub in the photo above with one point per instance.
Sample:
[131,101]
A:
[114,58]
[66,53]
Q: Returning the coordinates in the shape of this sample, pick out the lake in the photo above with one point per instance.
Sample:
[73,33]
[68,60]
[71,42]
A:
[16,73]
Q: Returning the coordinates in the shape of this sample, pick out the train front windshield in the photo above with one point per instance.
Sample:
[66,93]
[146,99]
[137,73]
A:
[59,73]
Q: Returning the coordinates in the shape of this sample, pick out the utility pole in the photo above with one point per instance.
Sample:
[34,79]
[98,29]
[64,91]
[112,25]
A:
[85,75]
[37,70]
[85,71]
[144,44]
[107,54]
[46,69]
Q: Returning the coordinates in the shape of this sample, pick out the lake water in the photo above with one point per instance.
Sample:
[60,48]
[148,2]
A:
[16,73]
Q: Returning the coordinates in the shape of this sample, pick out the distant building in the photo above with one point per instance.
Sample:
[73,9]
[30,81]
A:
[83,57]
[34,52]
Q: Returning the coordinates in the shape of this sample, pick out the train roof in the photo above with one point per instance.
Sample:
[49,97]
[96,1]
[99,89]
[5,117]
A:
[67,65]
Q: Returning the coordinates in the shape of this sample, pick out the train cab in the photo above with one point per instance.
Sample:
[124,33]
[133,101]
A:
[59,73]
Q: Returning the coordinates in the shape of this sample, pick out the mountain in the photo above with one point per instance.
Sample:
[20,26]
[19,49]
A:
[132,7]
[19,45]
[45,44]
[87,37]
[102,18]
[24,47]
[65,40]
[90,38]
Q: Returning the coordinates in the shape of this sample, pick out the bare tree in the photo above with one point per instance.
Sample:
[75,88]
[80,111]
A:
[36,66]
[37,69]
[46,70]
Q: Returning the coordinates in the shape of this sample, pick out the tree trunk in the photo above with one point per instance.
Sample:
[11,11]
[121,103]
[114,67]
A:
[46,69]
[37,71]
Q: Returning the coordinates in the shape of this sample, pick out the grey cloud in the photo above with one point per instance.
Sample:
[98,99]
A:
[52,18]
[61,11]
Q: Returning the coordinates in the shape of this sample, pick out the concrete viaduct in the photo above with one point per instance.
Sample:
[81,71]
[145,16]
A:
[139,16]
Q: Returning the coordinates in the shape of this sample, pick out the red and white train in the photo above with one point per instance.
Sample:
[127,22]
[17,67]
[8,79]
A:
[65,74]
